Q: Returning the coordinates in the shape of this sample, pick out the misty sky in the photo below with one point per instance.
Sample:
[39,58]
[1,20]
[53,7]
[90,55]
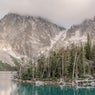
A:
[61,12]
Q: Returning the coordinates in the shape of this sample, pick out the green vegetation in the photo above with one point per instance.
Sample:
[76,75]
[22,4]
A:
[67,63]
[6,67]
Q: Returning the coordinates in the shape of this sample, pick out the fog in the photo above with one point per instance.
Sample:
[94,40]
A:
[61,12]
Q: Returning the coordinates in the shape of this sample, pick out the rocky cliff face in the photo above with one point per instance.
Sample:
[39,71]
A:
[87,26]
[27,36]
[78,33]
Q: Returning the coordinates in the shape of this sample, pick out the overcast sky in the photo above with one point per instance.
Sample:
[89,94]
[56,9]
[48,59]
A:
[61,12]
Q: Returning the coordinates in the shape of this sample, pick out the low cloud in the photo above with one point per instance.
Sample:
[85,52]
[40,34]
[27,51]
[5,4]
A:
[62,12]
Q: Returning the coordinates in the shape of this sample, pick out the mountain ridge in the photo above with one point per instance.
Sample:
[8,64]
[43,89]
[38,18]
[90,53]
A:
[26,35]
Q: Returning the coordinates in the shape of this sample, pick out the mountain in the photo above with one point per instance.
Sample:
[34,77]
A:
[78,33]
[26,36]
[87,26]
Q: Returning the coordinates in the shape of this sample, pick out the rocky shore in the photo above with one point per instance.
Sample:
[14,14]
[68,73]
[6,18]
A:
[39,83]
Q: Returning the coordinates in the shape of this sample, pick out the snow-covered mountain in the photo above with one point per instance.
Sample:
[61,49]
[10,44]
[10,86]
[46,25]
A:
[27,36]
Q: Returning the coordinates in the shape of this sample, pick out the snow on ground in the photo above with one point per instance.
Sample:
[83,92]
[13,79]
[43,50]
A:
[56,39]
[76,39]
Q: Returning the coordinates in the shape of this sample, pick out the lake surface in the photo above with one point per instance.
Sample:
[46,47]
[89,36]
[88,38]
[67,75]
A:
[8,87]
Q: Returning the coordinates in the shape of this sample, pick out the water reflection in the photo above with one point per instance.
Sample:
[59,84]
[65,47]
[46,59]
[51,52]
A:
[27,89]
[7,87]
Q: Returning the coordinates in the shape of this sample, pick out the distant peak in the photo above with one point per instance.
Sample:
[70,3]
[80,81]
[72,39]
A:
[27,17]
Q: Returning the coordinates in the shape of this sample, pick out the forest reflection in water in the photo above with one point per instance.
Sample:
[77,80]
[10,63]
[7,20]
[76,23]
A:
[8,87]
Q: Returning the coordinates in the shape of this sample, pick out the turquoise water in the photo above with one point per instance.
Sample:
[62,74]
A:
[8,87]
[28,89]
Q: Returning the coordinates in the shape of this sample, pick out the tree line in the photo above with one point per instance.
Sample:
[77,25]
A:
[72,62]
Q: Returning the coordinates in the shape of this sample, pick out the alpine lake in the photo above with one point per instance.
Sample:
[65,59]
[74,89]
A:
[9,87]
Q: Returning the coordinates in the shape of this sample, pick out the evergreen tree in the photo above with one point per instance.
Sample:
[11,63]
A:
[88,47]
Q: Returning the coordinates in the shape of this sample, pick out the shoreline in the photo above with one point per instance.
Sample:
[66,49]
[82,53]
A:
[39,83]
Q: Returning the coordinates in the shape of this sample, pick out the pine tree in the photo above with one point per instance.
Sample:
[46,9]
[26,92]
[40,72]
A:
[41,67]
[88,47]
